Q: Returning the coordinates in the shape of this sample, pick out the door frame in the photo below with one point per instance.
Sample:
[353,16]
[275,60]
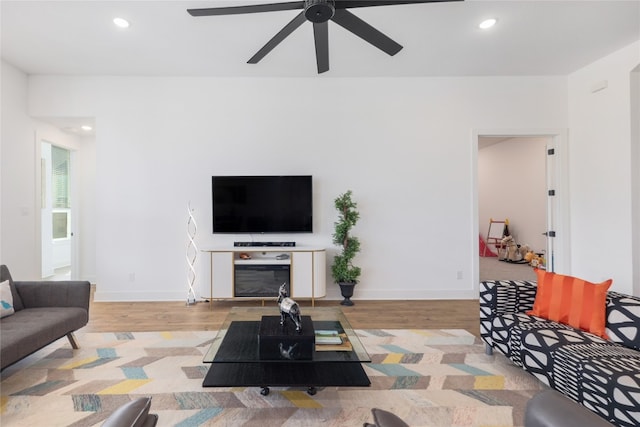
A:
[557,206]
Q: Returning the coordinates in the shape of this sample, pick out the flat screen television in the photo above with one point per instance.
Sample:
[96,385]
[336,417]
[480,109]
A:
[262,204]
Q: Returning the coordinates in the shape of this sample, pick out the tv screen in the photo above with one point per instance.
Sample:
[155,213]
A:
[262,204]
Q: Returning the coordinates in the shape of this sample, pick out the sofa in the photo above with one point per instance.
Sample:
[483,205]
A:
[600,372]
[37,313]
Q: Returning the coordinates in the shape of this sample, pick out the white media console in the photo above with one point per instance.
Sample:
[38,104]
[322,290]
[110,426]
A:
[252,272]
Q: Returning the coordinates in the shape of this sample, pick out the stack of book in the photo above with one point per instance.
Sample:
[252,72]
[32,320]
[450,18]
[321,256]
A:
[331,340]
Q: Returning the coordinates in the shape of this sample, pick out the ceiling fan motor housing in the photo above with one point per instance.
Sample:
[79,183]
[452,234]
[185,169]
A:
[319,11]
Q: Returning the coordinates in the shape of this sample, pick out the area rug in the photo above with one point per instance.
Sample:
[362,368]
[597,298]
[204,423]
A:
[427,377]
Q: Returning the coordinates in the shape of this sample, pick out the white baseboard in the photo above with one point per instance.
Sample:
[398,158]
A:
[139,296]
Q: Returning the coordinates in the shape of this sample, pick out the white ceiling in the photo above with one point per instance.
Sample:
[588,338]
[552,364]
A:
[439,39]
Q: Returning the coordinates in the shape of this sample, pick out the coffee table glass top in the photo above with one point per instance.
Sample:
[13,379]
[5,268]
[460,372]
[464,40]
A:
[240,328]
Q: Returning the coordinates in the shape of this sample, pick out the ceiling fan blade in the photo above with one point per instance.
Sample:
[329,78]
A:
[237,10]
[348,4]
[321,36]
[275,41]
[365,31]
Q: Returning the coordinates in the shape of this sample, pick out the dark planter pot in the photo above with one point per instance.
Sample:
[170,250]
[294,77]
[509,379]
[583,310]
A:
[346,289]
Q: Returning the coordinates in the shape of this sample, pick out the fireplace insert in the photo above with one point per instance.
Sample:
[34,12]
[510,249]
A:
[261,280]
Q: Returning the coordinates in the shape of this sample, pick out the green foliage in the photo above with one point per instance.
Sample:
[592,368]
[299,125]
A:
[343,269]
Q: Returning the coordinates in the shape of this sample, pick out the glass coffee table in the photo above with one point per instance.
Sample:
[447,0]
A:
[235,361]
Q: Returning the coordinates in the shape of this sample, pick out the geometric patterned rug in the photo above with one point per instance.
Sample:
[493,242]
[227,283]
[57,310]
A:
[427,377]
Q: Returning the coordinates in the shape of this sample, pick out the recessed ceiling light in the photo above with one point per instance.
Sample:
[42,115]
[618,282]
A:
[121,22]
[488,23]
[86,128]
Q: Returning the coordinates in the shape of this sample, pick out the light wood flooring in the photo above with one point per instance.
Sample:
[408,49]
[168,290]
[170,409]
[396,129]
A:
[177,316]
[394,314]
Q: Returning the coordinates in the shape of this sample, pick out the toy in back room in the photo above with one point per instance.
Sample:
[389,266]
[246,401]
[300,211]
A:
[510,251]
[510,248]
[535,260]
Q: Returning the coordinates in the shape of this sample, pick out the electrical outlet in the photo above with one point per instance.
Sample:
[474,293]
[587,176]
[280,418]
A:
[132,277]
[459,275]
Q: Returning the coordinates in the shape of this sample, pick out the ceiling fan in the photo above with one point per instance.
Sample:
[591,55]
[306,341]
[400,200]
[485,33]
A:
[319,12]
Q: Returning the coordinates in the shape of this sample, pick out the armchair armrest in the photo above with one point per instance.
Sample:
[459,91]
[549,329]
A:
[69,293]
[503,296]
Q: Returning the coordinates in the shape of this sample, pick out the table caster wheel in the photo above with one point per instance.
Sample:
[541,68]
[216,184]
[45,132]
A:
[264,391]
[311,391]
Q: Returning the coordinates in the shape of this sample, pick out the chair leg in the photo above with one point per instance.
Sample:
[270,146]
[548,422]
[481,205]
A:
[73,341]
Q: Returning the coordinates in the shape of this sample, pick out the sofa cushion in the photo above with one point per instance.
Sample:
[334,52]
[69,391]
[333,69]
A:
[6,300]
[515,338]
[572,301]
[504,326]
[31,329]
[5,275]
[539,347]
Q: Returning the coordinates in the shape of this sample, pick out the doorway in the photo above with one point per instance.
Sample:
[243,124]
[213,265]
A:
[512,186]
[514,173]
[57,213]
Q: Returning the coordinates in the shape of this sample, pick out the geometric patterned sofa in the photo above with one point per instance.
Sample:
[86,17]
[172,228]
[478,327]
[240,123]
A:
[602,375]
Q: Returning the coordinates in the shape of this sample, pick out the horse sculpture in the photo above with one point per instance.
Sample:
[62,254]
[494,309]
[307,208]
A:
[289,308]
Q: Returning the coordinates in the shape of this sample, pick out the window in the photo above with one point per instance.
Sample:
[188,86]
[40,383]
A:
[60,225]
[61,207]
[60,159]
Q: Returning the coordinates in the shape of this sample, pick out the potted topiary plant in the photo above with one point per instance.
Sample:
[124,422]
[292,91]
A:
[344,273]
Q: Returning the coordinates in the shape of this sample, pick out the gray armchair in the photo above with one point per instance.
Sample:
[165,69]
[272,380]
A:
[552,409]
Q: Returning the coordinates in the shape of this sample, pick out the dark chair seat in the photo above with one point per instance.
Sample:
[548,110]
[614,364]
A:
[133,414]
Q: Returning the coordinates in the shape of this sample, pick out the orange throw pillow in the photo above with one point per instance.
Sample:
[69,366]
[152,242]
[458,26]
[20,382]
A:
[571,301]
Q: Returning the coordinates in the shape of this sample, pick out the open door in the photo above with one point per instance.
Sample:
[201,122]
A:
[57,214]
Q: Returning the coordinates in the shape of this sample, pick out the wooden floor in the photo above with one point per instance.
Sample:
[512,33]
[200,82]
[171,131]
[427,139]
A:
[396,314]
[177,316]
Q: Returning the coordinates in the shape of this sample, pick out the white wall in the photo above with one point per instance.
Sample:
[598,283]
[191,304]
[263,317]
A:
[601,161]
[85,231]
[403,146]
[18,217]
[512,184]
[20,170]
